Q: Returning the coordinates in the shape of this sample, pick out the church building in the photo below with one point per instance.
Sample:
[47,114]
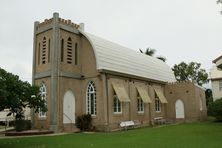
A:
[80,73]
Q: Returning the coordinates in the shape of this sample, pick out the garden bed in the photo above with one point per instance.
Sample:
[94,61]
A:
[28,133]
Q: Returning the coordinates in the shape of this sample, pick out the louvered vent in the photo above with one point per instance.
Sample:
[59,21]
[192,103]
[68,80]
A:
[44,50]
[69,51]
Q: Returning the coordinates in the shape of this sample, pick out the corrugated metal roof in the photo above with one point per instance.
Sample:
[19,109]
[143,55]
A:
[113,57]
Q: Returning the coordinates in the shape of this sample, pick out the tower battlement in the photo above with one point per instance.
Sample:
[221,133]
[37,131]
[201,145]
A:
[61,21]
[69,23]
[45,22]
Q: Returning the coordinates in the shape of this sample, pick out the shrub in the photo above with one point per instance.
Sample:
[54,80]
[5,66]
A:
[215,109]
[21,125]
[84,122]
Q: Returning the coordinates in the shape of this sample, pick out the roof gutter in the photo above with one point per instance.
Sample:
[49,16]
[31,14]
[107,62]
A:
[130,76]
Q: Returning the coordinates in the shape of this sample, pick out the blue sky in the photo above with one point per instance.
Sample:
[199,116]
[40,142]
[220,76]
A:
[187,31]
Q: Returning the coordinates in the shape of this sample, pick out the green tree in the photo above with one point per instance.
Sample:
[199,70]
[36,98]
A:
[215,109]
[190,72]
[16,95]
[151,52]
[209,96]
[219,2]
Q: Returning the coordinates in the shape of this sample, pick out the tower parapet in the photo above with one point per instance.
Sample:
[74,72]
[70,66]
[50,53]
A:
[44,23]
[61,21]
[69,23]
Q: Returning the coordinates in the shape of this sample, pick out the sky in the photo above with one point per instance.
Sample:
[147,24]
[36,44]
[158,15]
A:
[188,30]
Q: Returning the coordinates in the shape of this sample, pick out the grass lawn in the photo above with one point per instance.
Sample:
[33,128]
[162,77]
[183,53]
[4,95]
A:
[192,135]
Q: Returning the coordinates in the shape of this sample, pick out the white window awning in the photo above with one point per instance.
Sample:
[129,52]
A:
[160,94]
[120,91]
[143,92]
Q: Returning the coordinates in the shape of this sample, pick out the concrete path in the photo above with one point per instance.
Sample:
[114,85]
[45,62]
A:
[2,131]
[8,128]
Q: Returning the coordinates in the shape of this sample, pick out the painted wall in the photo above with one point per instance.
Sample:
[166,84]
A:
[190,95]
[217,93]
[129,109]
[215,75]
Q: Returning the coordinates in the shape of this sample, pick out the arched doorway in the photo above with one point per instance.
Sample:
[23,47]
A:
[69,108]
[179,108]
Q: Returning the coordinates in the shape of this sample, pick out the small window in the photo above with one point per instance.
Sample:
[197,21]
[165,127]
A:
[140,104]
[157,104]
[220,85]
[43,93]
[116,104]
[91,99]
[69,51]
[76,54]
[62,49]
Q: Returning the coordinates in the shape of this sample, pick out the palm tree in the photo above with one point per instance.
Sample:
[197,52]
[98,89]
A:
[151,52]
[161,58]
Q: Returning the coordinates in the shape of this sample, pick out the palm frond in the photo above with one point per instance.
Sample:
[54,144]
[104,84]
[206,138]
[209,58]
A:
[150,51]
[161,58]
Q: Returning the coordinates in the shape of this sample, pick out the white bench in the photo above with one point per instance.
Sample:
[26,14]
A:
[136,122]
[127,124]
[159,120]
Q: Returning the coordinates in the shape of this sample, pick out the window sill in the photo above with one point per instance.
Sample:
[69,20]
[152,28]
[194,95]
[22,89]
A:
[42,118]
[140,113]
[93,116]
[117,114]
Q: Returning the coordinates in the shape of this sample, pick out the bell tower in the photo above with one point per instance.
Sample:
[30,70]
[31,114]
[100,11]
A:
[56,51]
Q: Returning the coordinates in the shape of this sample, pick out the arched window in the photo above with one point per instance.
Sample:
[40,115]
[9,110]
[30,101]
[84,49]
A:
[44,50]
[140,104]
[91,99]
[69,51]
[157,104]
[43,93]
[117,105]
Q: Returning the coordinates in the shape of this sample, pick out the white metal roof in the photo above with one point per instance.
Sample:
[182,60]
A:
[113,57]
